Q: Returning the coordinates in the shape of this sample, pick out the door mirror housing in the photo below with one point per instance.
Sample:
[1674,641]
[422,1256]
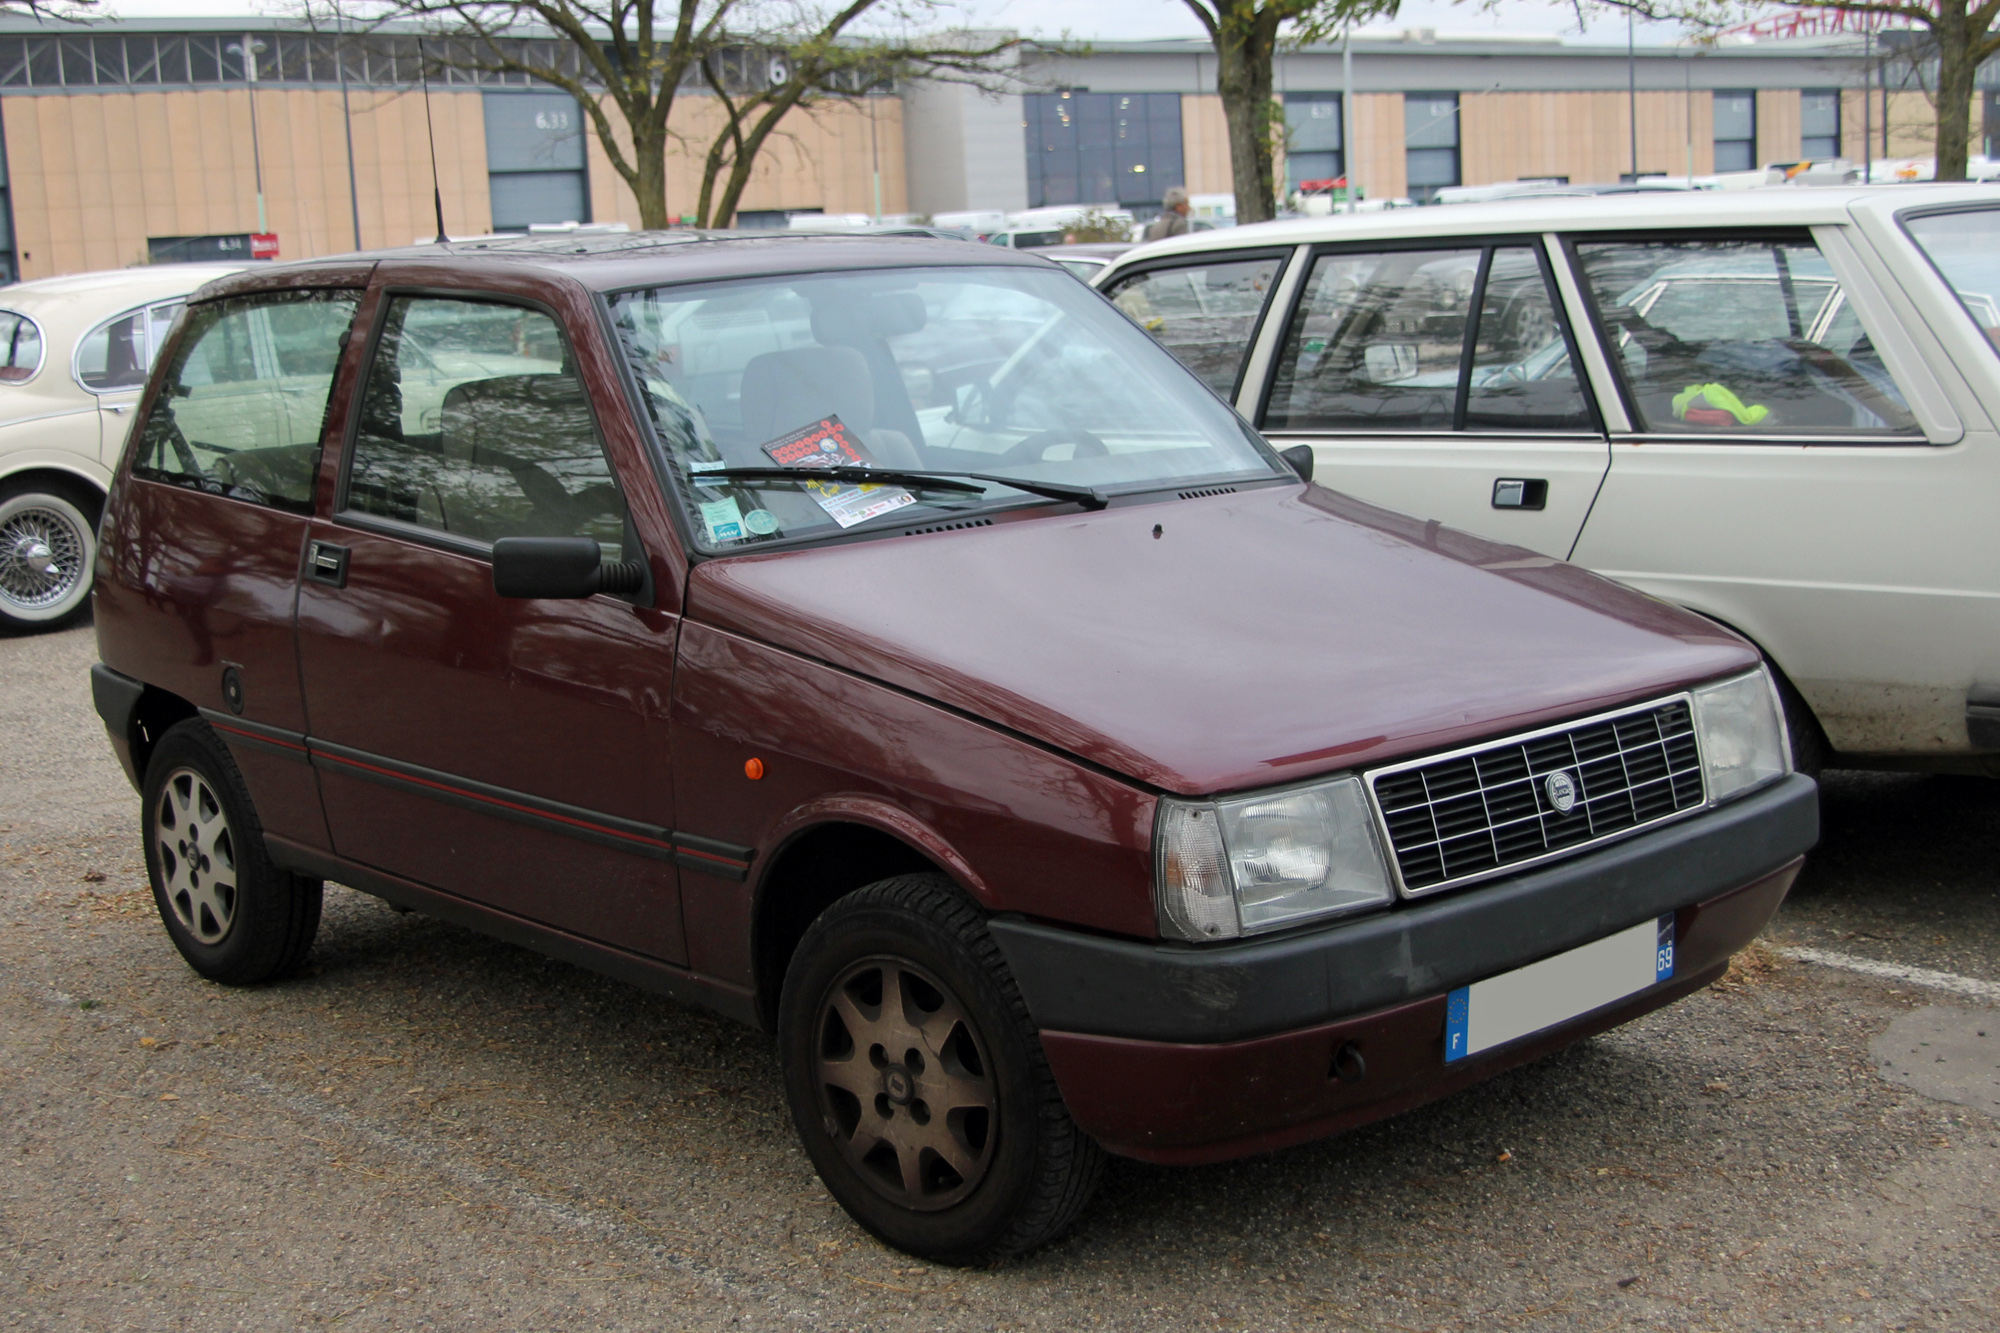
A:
[560,567]
[1300,457]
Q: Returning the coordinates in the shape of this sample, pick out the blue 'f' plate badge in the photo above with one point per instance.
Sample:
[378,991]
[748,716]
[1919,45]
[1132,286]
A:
[1457,1013]
[1663,958]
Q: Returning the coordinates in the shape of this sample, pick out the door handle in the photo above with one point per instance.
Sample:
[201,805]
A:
[120,408]
[327,563]
[1520,493]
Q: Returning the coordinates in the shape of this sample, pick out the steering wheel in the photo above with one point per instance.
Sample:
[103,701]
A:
[1031,449]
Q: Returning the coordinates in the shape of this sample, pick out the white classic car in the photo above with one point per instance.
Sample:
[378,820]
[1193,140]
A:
[74,353]
[1778,408]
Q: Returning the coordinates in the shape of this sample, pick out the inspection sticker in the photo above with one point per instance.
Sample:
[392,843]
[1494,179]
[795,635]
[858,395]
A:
[1541,995]
[723,520]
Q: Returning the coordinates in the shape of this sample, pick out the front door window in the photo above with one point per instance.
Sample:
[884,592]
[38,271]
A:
[1387,342]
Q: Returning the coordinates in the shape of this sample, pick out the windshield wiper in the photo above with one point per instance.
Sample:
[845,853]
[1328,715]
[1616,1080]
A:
[937,481]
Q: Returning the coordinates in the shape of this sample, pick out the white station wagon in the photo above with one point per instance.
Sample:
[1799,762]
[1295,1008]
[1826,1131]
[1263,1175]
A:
[1776,408]
[74,353]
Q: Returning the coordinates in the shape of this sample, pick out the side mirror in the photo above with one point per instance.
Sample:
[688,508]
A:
[560,567]
[1300,457]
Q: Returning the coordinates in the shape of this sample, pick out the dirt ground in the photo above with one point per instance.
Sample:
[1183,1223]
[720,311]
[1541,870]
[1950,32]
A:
[433,1130]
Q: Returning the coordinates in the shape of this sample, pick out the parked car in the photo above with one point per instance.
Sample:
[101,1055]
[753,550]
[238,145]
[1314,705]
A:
[73,357]
[1775,408]
[1086,260]
[993,738]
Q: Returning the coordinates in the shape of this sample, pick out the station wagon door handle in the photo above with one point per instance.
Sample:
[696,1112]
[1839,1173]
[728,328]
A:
[120,408]
[327,563]
[1520,493]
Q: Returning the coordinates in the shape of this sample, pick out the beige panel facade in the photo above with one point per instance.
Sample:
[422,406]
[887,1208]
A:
[1377,136]
[1777,125]
[1205,145]
[1584,136]
[94,176]
[825,157]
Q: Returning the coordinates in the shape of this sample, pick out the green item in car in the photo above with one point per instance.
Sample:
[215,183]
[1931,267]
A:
[1704,404]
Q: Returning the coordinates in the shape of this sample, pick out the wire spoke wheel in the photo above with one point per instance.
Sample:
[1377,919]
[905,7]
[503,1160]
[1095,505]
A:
[45,551]
[905,1085]
[197,855]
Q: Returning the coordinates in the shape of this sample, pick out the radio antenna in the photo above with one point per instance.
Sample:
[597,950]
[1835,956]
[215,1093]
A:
[430,130]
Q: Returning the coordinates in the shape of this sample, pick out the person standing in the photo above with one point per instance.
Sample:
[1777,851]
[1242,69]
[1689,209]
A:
[1173,219]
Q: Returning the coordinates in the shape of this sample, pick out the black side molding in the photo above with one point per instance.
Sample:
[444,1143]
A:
[636,969]
[1982,717]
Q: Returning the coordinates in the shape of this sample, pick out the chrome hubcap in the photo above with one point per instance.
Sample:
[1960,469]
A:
[905,1087]
[197,856]
[43,557]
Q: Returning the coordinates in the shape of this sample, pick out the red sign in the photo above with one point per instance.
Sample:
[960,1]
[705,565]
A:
[263,245]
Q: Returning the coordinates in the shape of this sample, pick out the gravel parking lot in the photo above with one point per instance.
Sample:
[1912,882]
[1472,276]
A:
[430,1129]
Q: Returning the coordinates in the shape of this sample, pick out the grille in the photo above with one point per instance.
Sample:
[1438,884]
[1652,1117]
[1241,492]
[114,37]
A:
[1212,490]
[1475,813]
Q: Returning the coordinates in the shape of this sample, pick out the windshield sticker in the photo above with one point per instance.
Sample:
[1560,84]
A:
[761,521]
[707,464]
[828,443]
[723,520]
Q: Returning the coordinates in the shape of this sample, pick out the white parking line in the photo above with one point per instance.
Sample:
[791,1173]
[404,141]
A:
[1913,976]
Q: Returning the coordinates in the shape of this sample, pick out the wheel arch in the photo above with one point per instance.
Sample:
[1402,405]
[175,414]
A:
[819,862]
[76,483]
[1815,748]
[156,711]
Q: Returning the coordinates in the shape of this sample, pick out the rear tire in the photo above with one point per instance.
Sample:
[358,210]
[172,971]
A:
[48,547]
[235,917]
[917,1081]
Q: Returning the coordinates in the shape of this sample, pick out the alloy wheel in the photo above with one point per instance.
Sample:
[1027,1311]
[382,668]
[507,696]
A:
[197,856]
[904,1085]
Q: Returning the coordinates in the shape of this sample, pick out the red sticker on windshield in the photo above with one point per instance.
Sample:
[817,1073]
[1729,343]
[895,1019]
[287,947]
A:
[825,443]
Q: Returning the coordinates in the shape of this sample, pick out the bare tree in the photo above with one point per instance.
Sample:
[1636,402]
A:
[811,67]
[1246,34]
[1959,36]
[626,61]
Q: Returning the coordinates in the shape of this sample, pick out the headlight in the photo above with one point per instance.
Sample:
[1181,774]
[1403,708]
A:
[1238,867]
[1742,732]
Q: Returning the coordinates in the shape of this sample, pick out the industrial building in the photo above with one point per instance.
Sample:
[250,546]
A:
[142,140]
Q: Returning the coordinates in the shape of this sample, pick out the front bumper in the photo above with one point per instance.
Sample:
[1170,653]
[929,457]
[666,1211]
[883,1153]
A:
[1187,1054]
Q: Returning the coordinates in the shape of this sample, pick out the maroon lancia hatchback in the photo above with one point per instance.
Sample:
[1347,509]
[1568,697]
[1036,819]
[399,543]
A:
[884,642]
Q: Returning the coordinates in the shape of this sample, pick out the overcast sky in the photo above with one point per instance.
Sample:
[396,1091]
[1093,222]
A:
[1124,20]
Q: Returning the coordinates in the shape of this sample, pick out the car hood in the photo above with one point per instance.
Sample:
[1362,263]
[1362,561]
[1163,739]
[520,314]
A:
[1227,642]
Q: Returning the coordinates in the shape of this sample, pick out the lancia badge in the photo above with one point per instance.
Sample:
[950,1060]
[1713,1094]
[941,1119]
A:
[1561,789]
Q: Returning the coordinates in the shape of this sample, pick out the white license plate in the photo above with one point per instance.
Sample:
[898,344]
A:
[1516,1004]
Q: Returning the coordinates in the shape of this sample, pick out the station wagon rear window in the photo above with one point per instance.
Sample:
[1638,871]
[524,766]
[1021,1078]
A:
[1740,336]
[999,371]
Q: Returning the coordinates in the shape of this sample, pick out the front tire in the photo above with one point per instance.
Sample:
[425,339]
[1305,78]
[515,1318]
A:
[917,1081]
[235,917]
[48,546]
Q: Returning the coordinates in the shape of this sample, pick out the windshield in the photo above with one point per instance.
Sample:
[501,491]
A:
[998,371]
[1965,247]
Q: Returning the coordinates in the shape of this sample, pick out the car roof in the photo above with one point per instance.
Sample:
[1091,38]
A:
[122,288]
[626,260]
[1798,206]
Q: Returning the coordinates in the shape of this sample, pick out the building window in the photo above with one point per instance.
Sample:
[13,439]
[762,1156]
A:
[534,160]
[1819,123]
[1430,143]
[1313,146]
[1102,148]
[1736,131]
